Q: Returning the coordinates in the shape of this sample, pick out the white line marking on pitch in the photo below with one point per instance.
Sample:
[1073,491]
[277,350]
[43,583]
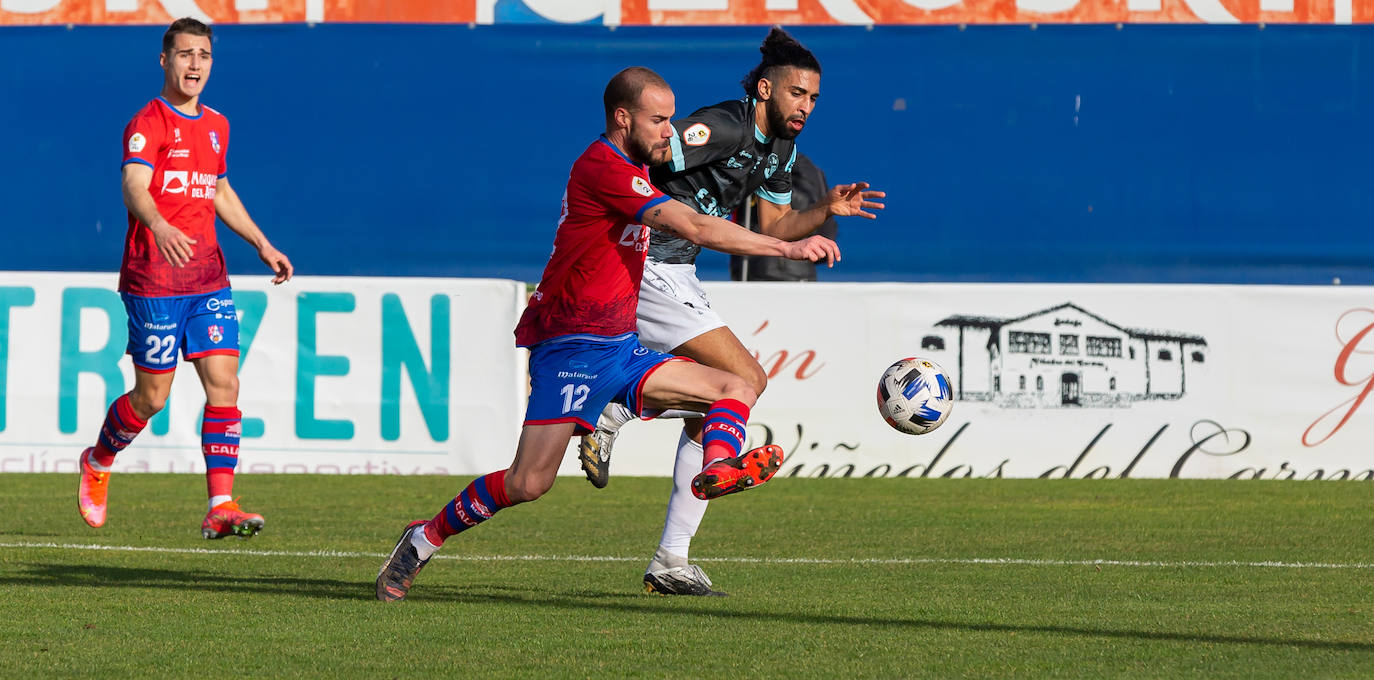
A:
[994,561]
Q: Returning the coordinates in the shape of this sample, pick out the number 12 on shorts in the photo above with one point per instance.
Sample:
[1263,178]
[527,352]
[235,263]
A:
[161,350]
[573,396]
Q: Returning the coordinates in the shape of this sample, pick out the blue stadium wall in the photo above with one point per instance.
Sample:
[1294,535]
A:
[1062,153]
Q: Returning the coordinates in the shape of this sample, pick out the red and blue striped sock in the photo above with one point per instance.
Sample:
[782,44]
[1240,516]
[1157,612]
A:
[118,431]
[483,497]
[723,434]
[219,443]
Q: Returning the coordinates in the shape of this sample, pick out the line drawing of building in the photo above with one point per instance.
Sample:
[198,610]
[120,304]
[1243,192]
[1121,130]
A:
[1064,356]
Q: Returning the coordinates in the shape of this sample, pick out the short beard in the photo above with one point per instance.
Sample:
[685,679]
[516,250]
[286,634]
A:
[640,152]
[777,120]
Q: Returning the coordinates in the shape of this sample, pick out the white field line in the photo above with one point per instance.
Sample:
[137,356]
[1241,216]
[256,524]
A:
[991,561]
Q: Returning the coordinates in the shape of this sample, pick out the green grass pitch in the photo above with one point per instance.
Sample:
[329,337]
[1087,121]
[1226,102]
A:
[884,578]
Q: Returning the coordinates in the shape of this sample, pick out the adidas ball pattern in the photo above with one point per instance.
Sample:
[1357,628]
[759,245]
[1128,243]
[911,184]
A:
[914,396]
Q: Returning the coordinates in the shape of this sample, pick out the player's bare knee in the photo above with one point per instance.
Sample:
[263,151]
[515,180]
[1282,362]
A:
[525,488]
[758,380]
[147,403]
[152,407]
[223,390]
[737,388]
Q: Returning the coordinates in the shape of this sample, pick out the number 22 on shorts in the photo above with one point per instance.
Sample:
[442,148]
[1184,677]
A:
[161,349]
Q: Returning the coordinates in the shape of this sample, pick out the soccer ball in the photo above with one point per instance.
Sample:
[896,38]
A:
[914,395]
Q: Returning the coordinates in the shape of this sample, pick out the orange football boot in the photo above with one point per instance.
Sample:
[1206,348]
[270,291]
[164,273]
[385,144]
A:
[95,484]
[226,519]
[732,475]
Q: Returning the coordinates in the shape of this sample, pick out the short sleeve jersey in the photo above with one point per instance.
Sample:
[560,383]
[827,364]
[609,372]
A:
[719,158]
[187,155]
[590,285]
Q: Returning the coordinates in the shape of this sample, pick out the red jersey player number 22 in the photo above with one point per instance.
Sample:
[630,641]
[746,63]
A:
[187,155]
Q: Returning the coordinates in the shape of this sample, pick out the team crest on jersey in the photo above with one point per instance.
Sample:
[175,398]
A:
[641,187]
[214,141]
[772,165]
[136,142]
[216,333]
[696,135]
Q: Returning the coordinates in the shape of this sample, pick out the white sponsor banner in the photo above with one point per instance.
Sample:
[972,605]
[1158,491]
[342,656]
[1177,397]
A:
[338,375]
[1056,380]
[341,375]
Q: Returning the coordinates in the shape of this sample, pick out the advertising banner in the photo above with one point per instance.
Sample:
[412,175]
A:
[689,12]
[1074,381]
[350,376]
[420,376]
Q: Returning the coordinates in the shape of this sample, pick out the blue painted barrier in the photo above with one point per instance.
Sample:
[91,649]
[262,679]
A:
[1065,153]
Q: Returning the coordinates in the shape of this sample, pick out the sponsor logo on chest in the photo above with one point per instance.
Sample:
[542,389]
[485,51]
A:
[635,236]
[189,182]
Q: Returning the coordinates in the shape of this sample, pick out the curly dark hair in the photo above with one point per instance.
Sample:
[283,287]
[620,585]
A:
[779,50]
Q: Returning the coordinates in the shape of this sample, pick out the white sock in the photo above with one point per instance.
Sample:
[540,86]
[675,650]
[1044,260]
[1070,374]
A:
[216,500]
[679,413]
[665,560]
[614,417]
[422,545]
[685,511]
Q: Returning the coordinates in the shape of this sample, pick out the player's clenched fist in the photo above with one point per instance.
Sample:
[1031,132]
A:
[815,249]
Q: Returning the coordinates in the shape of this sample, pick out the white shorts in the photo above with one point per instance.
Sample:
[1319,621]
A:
[672,306]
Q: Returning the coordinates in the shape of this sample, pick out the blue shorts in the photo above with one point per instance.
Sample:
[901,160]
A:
[573,378]
[198,325]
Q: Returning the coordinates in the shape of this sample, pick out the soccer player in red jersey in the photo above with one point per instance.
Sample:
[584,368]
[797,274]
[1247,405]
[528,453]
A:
[722,155]
[580,329]
[173,279]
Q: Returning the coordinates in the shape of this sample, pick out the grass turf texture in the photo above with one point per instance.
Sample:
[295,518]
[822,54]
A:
[851,607]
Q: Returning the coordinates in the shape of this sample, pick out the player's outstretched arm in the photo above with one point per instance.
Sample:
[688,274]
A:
[844,200]
[174,244]
[727,237]
[230,209]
